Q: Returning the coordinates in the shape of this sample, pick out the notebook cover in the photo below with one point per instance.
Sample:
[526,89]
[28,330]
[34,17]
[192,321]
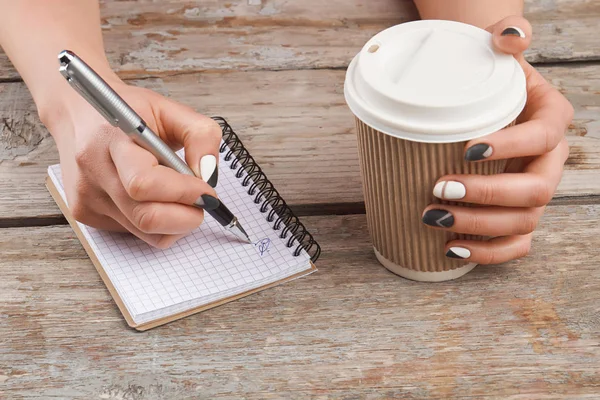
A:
[161,321]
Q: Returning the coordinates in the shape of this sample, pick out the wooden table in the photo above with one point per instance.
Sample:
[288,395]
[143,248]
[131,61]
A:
[275,68]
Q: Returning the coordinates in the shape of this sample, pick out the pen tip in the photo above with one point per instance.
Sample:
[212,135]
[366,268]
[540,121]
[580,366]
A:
[247,236]
[238,231]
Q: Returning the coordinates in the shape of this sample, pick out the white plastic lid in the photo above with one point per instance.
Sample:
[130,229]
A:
[435,81]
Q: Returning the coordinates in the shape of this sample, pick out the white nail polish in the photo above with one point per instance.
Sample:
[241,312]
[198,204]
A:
[208,165]
[449,190]
[488,152]
[459,252]
[199,202]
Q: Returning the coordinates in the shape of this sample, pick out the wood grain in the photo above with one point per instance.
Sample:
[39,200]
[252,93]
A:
[295,123]
[157,38]
[527,329]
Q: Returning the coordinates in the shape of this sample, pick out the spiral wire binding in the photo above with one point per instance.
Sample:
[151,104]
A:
[264,192]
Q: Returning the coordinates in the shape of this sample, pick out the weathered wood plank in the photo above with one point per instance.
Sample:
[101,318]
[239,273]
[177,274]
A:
[153,38]
[352,330]
[295,123]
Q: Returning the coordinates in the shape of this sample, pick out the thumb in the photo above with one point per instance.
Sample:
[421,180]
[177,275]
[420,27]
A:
[512,35]
[197,133]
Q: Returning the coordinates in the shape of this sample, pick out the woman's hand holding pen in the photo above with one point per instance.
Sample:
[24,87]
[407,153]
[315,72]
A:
[111,183]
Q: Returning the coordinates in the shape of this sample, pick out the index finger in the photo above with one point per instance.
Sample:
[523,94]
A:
[199,135]
[548,116]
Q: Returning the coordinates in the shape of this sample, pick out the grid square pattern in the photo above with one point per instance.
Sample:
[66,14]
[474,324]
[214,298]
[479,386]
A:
[206,266]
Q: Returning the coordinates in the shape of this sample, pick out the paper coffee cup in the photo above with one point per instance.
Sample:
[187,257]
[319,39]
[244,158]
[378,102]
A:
[419,91]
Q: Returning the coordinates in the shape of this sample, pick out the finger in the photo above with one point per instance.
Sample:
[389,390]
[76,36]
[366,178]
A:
[154,217]
[534,187]
[484,221]
[512,35]
[113,220]
[88,204]
[507,190]
[200,136]
[166,241]
[156,240]
[144,180]
[530,138]
[159,218]
[494,251]
[547,114]
[551,164]
[97,220]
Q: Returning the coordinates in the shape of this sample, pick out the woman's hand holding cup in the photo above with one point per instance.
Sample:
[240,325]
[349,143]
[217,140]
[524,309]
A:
[509,205]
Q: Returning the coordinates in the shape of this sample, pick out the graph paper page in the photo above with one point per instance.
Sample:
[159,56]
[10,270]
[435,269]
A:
[208,265]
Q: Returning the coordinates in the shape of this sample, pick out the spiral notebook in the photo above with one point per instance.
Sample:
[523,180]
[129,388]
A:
[209,267]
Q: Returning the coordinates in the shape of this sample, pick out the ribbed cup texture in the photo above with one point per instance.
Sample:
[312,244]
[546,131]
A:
[398,179]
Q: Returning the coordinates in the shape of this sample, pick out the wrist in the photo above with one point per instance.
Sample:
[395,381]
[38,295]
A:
[481,13]
[59,105]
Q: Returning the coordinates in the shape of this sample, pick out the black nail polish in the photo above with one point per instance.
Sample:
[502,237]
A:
[451,254]
[212,181]
[478,152]
[438,218]
[210,202]
[513,31]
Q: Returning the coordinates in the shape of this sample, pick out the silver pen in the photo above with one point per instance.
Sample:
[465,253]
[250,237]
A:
[112,107]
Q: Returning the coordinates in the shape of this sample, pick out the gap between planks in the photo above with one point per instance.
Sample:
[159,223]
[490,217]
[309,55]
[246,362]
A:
[170,74]
[301,210]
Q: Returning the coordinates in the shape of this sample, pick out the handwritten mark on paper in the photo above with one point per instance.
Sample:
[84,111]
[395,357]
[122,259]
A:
[263,245]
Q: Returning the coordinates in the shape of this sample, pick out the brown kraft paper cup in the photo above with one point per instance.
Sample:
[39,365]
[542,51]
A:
[419,91]
[398,179]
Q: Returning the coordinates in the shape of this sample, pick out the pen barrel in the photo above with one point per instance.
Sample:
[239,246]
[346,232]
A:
[150,141]
[98,93]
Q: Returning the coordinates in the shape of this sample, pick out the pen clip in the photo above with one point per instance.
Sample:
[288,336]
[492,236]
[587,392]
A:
[72,80]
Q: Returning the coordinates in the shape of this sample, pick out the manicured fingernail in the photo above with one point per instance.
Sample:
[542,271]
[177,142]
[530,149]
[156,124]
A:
[438,218]
[458,252]
[449,190]
[208,170]
[478,152]
[208,202]
[513,31]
